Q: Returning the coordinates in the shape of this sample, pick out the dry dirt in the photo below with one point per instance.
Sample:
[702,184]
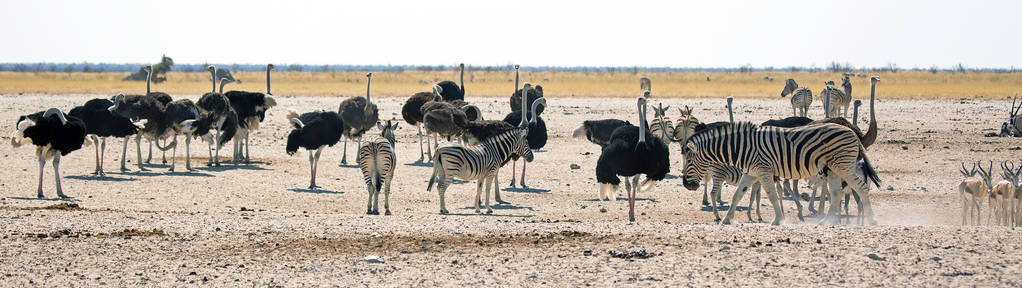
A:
[256,224]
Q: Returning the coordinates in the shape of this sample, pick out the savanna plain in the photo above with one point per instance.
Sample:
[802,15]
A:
[256,224]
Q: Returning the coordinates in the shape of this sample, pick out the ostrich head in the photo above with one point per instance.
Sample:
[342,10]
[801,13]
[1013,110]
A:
[874,80]
[270,66]
[789,87]
[540,101]
[117,103]
[148,68]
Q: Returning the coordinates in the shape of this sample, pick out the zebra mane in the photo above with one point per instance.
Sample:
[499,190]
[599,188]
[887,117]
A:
[718,128]
[509,134]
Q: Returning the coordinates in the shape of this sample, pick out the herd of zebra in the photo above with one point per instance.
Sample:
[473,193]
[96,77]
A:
[829,153]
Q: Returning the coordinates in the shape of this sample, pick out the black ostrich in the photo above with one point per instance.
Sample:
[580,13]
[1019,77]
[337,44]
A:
[442,118]
[217,111]
[163,98]
[411,111]
[313,131]
[599,131]
[532,93]
[632,151]
[100,123]
[251,109]
[54,135]
[451,91]
[183,117]
[537,136]
[360,115]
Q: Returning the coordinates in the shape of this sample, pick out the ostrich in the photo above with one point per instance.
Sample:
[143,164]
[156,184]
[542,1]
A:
[442,118]
[598,131]
[450,91]
[163,98]
[632,151]
[149,108]
[54,135]
[100,124]
[313,131]
[537,136]
[645,84]
[360,115]
[251,108]
[216,109]
[411,111]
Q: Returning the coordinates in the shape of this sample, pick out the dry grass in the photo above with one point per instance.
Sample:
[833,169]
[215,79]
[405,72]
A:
[903,85]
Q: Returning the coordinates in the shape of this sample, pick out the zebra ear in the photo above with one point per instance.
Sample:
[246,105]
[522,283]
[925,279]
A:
[379,125]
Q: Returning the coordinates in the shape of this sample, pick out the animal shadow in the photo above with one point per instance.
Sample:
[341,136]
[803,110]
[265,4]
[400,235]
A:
[526,190]
[314,191]
[100,178]
[420,164]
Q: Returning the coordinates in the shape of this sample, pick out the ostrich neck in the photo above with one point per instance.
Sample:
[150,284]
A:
[213,72]
[525,97]
[148,78]
[871,135]
[369,100]
[268,80]
[462,77]
[642,124]
[222,83]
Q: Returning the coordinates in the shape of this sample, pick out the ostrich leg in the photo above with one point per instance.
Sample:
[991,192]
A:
[149,158]
[164,156]
[173,154]
[138,150]
[56,174]
[344,159]
[631,198]
[188,152]
[514,168]
[42,164]
[216,141]
[102,156]
[312,170]
[124,153]
[94,139]
[422,153]
[248,159]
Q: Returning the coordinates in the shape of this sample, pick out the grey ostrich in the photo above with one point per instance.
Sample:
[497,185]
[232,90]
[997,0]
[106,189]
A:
[359,115]
[442,118]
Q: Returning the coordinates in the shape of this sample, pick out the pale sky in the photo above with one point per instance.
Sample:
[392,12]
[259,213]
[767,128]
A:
[702,33]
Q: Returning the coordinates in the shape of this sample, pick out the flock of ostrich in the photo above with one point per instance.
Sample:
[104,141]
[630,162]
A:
[829,154]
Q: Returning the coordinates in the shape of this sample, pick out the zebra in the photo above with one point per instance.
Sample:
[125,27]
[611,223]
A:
[836,97]
[479,163]
[661,126]
[801,97]
[376,159]
[763,153]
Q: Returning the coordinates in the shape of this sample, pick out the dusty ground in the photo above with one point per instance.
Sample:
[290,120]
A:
[255,224]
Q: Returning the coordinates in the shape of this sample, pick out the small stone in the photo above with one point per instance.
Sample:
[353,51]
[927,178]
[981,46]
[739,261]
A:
[587,252]
[575,166]
[372,259]
[936,258]
[603,210]
[874,256]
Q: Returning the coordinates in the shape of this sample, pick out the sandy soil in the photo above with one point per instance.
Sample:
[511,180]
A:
[256,224]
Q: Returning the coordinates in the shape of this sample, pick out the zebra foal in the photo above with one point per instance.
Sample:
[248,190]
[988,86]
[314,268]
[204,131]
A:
[479,163]
[376,159]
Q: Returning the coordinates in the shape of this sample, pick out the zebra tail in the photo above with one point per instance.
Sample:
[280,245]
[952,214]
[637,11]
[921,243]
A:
[437,167]
[868,171]
[376,181]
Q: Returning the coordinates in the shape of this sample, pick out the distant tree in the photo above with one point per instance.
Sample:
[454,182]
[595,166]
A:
[166,63]
[294,68]
[933,69]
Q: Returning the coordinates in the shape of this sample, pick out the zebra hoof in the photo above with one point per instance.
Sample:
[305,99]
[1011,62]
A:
[489,211]
[443,211]
[775,223]
[387,213]
[706,203]
[726,222]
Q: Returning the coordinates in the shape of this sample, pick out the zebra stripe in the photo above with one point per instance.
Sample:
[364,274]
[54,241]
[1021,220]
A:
[837,99]
[662,128]
[762,153]
[479,163]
